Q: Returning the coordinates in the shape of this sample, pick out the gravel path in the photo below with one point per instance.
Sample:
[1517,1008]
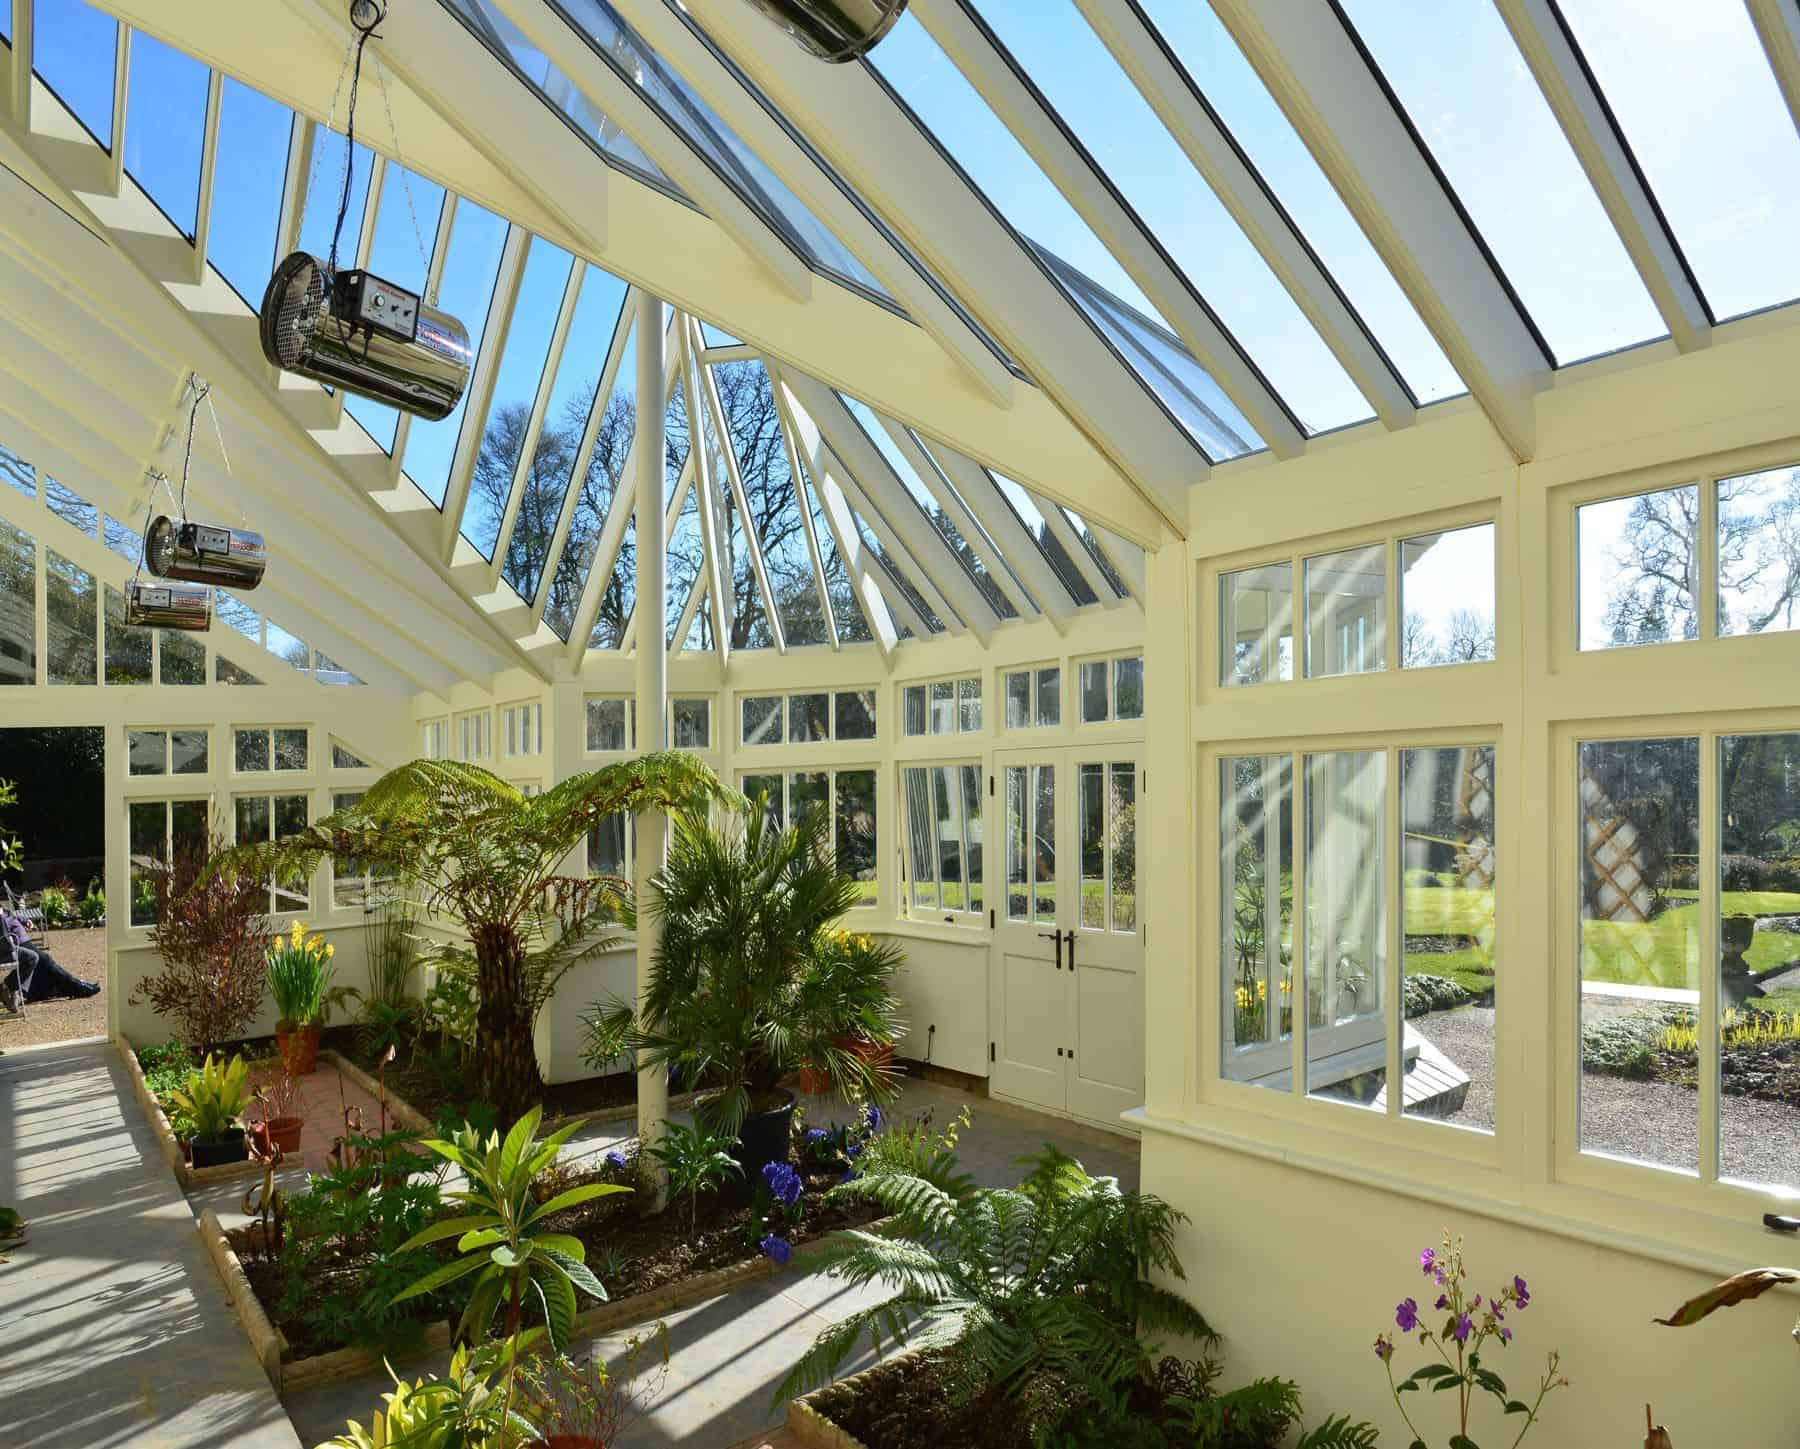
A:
[1466,1036]
[83,952]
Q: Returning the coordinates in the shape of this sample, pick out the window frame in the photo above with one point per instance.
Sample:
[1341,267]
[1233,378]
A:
[787,769]
[1110,662]
[276,910]
[956,682]
[531,713]
[965,918]
[1034,672]
[269,732]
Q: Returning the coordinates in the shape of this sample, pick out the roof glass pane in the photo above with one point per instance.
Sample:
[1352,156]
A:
[491,26]
[1467,91]
[930,507]
[16,473]
[1237,95]
[69,505]
[324,195]
[515,389]
[1015,497]
[749,175]
[249,176]
[846,613]
[749,620]
[1067,62]
[755,427]
[165,127]
[687,560]
[72,47]
[602,472]
[405,222]
[1095,552]
[477,238]
[896,575]
[618,595]
[1691,87]
[284,645]
[570,405]
[993,549]
[961,122]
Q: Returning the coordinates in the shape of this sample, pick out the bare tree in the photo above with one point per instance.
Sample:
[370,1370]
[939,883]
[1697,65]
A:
[1468,637]
[1418,644]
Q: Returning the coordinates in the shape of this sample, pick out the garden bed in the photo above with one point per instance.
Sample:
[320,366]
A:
[1651,1044]
[185,1172]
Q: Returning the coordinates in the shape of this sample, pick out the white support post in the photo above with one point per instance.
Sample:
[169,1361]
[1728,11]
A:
[651,833]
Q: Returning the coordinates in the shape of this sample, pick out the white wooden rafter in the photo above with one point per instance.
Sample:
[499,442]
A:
[1778,27]
[720,599]
[18,65]
[209,156]
[684,483]
[121,96]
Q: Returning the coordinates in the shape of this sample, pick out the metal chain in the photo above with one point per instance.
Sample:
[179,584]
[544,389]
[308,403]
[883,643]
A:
[330,126]
[405,184]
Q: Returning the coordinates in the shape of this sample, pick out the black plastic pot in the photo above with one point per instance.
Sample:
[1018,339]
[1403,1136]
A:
[229,1148]
[764,1139]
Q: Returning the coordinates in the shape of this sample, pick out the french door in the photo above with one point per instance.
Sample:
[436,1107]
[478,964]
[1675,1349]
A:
[1066,983]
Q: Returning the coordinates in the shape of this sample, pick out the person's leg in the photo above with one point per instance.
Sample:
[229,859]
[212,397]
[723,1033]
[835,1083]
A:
[45,977]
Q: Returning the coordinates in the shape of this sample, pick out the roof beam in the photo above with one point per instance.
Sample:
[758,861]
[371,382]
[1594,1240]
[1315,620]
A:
[1778,25]
[671,516]
[1077,552]
[577,57]
[18,68]
[1010,535]
[1319,77]
[121,93]
[1171,93]
[1586,119]
[683,50]
[797,477]
[719,601]
[967,42]
[209,155]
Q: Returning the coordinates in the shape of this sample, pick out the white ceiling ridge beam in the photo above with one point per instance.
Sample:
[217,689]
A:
[684,482]
[1317,74]
[1168,90]
[618,516]
[713,403]
[296,612]
[1778,27]
[683,51]
[971,529]
[966,41]
[1009,533]
[720,602]
[480,397]
[584,451]
[896,514]
[628,107]
[209,158]
[877,148]
[874,594]
[815,555]
[534,422]
[1586,120]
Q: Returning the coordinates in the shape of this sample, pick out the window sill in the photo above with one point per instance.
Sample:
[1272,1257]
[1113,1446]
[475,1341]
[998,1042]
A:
[973,935]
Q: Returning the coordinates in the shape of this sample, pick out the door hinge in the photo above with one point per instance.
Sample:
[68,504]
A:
[990,1051]
[990,787]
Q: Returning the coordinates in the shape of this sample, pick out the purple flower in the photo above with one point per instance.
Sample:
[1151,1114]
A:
[1443,1301]
[1384,1348]
[816,1135]
[850,1175]
[1428,1262]
[1521,1292]
[874,1119]
[853,1149]
[1406,1316]
[1506,1335]
[615,1159]
[1477,1302]
[1463,1328]
[777,1250]
[783,1183]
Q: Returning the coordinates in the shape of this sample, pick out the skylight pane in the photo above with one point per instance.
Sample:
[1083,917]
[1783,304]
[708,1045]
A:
[750,621]
[324,194]
[687,558]
[477,238]
[286,646]
[603,474]
[846,613]
[572,400]
[1692,90]
[72,48]
[1468,93]
[896,575]
[165,127]
[747,173]
[405,222]
[1015,497]
[515,388]
[1095,551]
[961,122]
[493,29]
[69,505]
[249,175]
[1236,94]
[1095,99]
[987,538]
[618,596]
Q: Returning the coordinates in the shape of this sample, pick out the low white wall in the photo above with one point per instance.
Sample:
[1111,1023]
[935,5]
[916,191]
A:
[1300,1271]
[560,1035]
[944,983]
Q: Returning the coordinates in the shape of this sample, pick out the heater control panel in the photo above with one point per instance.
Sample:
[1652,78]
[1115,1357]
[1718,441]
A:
[211,540]
[368,301]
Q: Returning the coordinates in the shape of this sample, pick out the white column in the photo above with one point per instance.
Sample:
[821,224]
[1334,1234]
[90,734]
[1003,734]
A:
[652,667]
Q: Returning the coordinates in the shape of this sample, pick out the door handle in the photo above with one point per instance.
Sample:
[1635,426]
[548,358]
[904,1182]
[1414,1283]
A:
[1071,934]
[1055,936]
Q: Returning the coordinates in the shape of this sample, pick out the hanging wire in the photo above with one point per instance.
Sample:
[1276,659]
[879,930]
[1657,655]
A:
[371,16]
[406,184]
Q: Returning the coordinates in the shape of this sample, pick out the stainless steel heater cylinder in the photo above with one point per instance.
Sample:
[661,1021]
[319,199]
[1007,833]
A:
[203,553]
[169,606]
[834,30]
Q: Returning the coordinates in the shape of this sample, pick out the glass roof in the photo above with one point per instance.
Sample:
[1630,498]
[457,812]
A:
[249,175]
[1466,90]
[406,220]
[1721,153]
[72,48]
[165,127]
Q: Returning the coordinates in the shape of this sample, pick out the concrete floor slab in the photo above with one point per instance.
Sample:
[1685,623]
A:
[114,1328]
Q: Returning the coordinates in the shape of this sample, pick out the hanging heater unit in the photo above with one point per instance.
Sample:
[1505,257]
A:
[834,30]
[169,606]
[365,335]
[204,554]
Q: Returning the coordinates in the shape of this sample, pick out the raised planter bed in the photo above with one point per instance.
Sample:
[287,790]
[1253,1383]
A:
[185,1173]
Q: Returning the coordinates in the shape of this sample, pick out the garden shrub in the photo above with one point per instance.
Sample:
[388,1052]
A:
[1622,1046]
[1426,993]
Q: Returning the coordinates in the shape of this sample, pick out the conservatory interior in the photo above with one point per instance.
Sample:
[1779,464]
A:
[1313,484]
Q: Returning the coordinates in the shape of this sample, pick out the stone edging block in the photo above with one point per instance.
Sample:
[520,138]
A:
[185,1174]
[813,1429]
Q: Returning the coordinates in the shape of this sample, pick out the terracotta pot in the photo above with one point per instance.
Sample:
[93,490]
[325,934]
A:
[812,1081]
[567,1441]
[278,1132]
[871,1053]
[299,1047]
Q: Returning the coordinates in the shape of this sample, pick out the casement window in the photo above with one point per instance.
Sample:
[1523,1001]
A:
[167,752]
[612,722]
[806,717]
[1308,870]
[1033,698]
[609,846]
[257,750]
[1111,689]
[848,798]
[942,861]
[475,736]
[268,817]
[522,730]
[354,883]
[155,831]
[434,739]
[942,707]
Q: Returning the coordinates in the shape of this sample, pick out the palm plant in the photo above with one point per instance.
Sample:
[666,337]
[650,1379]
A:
[489,857]
[1033,1287]
[736,996]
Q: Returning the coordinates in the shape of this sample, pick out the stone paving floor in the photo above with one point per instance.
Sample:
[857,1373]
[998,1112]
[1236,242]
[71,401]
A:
[728,1354]
[114,1328]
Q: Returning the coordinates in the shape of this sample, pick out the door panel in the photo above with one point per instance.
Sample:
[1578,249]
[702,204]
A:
[1028,996]
[1028,1061]
[1105,951]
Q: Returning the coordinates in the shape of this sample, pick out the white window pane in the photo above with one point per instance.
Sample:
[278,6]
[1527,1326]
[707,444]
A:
[188,752]
[1043,844]
[1346,612]
[1018,837]
[608,847]
[1090,820]
[1346,938]
[1121,845]
[855,830]
[1256,625]
[767,789]
[761,719]
[1447,597]
[912,705]
[943,707]
[968,705]
[147,752]
[693,723]
[809,718]
[1093,691]
[921,858]
[855,714]
[290,749]
[250,750]
[972,864]
[1128,687]
[1639,568]
[1256,850]
[1759,552]
[1018,700]
[1049,697]
[606,725]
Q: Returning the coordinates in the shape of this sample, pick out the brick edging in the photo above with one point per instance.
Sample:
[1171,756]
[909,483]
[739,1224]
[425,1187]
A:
[399,1109]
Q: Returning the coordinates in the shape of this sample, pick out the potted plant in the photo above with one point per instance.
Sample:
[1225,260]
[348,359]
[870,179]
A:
[300,980]
[735,997]
[577,1405]
[212,1099]
[278,1120]
[852,976]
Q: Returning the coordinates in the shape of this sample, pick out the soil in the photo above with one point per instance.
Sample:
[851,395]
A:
[905,1404]
[82,951]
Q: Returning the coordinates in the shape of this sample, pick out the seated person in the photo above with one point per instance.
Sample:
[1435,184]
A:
[40,976]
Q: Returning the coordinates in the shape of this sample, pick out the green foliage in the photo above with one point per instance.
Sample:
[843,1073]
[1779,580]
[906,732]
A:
[389,1024]
[1425,993]
[12,852]
[166,1071]
[91,908]
[1622,1046]
[591,1401]
[390,939]
[301,976]
[57,902]
[739,994]
[695,1161]
[462,1410]
[1040,1290]
[213,1096]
